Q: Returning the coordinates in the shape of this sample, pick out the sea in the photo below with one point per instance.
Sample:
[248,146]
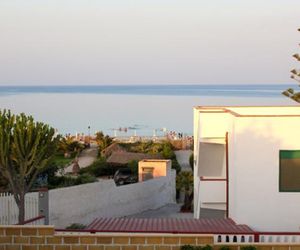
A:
[135,110]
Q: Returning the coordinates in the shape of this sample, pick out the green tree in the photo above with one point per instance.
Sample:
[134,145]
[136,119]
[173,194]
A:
[290,92]
[134,166]
[103,141]
[185,182]
[26,147]
[68,146]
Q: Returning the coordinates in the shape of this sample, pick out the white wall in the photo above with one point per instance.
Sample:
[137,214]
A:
[208,126]
[83,203]
[254,197]
[214,125]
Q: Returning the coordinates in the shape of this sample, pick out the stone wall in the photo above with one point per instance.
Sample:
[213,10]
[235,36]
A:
[45,238]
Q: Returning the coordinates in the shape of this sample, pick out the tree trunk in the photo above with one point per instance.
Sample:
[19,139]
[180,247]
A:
[21,206]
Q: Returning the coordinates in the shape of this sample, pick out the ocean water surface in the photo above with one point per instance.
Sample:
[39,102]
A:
[143,110]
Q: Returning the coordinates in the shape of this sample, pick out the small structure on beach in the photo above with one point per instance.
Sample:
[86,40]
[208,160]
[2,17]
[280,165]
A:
[153,168]
[247,163]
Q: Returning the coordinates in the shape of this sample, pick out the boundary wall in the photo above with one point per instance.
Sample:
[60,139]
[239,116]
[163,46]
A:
[84,203]
[45,238]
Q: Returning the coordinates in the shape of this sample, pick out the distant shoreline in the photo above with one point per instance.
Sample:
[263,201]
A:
[235,90]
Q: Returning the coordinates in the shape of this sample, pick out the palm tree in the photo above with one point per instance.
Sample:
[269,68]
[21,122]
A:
[185,182]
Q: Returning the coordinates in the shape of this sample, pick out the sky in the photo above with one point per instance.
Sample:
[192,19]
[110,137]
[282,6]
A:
[122,42]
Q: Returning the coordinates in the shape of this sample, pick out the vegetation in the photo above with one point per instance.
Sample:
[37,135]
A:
[69,147]
[248,247]
[3,183]
[150,147]
[103,141]
[54,181]
[134,167]
[191,161]
[76,226]
[190,247]
[184,182]
[26,148]
[61,161]
[290,92]
[98,168]
[224,248]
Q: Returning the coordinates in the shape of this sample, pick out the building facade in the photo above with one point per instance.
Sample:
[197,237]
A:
[247,164]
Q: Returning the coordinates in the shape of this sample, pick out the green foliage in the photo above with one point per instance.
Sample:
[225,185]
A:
[26,148]
[76,226]
[189,247]
[224,248]
[191,161]
[134,167]
[207,247]
[85,178]
[103,141]
[69,146]
[185,182]
[176,166]
[67,181]
[167,151]
[98,168]
[61,161]
[150,147]
[248,247]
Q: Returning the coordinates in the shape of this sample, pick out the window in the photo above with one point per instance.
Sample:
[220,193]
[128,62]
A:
[147,173]
[289,171]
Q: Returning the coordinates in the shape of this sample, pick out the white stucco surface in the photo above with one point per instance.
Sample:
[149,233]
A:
[255,137]
[83,203]
[254,196]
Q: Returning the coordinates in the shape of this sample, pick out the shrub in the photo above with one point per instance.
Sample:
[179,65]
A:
[176,166]
[76,226]
[85,178]
[248,248]
[134,167]
[207,247]
[224,248]
[67,181]
[186,247]
[98,168]
[167,151]
[189,247]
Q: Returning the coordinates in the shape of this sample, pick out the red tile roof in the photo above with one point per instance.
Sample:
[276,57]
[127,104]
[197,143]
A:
[168,225]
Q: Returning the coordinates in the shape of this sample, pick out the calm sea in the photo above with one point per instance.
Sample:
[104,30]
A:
[143,110]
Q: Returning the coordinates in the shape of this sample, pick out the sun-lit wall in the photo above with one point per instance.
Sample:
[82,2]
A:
[254,197]
[255,137]
[160,168]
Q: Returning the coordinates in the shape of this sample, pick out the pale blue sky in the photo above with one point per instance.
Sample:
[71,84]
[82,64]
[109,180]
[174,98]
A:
[52,42]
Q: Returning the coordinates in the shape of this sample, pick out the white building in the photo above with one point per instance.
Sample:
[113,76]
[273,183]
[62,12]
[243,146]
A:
[247,163]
